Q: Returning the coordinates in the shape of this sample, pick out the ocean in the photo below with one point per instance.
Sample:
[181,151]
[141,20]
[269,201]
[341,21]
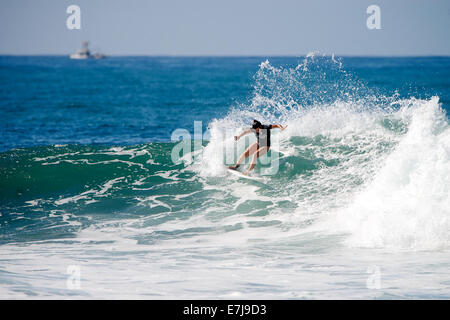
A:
[113,180]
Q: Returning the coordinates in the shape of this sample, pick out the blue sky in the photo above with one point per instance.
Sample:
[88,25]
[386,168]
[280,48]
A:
[226,27]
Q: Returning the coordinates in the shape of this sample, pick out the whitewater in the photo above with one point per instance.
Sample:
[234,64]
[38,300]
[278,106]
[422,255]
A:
[354,203]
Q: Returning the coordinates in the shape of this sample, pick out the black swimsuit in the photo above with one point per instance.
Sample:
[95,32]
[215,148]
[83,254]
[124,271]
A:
[263,136]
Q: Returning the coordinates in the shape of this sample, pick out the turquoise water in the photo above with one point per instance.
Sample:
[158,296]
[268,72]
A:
[93,176]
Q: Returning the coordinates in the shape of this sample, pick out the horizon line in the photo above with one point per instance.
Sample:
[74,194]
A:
[234,55]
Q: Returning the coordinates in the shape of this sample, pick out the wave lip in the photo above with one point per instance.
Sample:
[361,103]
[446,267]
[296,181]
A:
[407,204]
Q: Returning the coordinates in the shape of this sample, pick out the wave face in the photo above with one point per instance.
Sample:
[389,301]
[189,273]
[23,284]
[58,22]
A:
[355,170]
[355,161]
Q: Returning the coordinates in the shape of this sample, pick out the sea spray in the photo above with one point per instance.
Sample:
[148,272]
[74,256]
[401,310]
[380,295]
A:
[407,203]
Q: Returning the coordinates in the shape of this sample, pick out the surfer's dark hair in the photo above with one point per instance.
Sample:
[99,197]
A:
[256,124]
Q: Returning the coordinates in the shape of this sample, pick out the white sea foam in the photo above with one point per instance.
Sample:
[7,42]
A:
[407,204]
[90,193]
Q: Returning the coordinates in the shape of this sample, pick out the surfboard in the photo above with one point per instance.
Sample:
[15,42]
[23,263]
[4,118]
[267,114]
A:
[242,175]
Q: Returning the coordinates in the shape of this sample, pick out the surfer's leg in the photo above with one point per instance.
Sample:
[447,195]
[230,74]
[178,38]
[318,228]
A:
[261,151]
[250,150]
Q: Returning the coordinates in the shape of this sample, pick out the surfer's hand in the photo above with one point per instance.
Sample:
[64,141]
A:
[283,128]
[236,138]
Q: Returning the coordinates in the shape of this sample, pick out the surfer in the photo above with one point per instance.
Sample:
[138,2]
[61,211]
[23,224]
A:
[258,148]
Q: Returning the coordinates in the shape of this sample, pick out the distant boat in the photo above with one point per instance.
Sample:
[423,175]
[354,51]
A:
[84,53]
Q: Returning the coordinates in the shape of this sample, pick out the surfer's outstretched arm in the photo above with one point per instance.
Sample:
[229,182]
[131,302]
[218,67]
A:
[279,126]
[242,134]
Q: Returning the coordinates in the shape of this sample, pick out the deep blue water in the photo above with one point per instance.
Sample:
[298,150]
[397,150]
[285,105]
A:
[131,100]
